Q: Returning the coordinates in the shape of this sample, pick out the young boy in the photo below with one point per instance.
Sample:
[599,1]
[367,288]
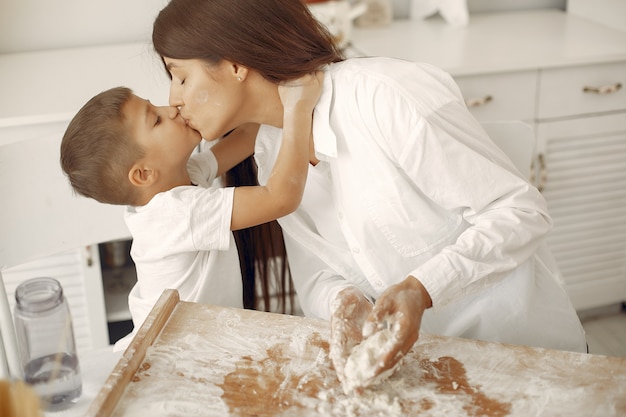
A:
[120,149]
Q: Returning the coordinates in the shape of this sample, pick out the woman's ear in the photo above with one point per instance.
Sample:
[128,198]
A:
[239,71]
[142,176]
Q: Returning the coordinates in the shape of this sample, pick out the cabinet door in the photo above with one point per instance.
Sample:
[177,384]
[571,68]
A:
[78,271]
[584,165]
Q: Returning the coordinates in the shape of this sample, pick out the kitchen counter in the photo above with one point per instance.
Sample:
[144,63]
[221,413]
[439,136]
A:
[496,42]
[212,361]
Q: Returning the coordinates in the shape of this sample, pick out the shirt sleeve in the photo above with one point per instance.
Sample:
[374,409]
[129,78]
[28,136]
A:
[317,284]
[450,159]
[210,215]
[202,167]
[508,220]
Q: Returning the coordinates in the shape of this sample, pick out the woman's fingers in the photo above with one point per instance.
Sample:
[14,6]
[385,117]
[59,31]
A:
[403,333]
[337,353]
[350,310]
[396,319]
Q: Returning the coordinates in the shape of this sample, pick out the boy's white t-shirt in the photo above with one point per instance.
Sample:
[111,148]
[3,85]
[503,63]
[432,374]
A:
[182,240]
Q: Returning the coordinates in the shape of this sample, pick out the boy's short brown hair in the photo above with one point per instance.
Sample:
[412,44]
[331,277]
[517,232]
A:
[97,150]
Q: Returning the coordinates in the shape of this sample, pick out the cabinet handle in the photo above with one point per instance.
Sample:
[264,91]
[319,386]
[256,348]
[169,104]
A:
[88,256]
[477,102]
[604,89]
[543,172]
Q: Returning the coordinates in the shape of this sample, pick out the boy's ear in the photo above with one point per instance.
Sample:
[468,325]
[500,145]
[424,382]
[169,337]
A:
[142,176]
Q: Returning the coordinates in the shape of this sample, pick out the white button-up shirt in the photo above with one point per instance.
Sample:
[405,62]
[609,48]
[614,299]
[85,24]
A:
[408,183]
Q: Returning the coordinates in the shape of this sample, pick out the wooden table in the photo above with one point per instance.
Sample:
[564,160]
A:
[190,359]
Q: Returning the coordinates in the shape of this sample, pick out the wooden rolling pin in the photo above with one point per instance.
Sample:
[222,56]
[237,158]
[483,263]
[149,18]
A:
[18,400]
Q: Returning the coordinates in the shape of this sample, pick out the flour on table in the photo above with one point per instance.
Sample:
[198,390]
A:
[219,362]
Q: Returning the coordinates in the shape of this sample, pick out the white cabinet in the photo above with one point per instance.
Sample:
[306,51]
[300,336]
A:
[585,186]
[78,271]
[566,76]
[581,152]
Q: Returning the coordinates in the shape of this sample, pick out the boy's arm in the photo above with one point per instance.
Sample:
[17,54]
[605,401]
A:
[283,192]
[235,147]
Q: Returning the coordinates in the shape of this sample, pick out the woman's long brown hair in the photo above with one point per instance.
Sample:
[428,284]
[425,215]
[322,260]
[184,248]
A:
[281,40]
[261,251]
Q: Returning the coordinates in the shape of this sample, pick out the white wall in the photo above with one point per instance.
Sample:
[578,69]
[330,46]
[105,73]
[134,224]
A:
[27,25]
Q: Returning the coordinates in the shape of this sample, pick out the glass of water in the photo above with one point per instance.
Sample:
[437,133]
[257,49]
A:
[46,341]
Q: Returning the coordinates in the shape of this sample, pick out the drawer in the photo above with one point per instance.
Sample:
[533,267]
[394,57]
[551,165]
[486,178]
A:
[500,96]
[582,90]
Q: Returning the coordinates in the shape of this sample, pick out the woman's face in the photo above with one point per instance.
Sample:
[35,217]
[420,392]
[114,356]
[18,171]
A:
[209,96]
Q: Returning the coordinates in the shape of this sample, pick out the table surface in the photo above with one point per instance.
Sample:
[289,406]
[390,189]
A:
[214,361]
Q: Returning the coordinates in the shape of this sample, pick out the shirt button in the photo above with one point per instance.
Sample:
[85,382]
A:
[340,215]
[356,250]
[379,283]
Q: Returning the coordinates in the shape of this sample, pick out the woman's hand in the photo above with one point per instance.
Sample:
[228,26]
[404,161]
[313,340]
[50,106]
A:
[350,309]
[399,308]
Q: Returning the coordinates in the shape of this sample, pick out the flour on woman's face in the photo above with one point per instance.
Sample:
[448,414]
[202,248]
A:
[202,97]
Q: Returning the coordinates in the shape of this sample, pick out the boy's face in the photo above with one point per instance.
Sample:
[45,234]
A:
[162,133]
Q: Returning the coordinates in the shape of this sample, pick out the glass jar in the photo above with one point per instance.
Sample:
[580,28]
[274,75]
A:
[45,336]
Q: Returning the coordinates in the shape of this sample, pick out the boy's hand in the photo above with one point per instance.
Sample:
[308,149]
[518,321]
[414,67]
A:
[301,93]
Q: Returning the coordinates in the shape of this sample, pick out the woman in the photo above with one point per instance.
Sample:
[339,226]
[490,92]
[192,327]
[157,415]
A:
[408,203]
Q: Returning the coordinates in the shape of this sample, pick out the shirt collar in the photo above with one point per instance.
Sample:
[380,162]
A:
[324,139]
